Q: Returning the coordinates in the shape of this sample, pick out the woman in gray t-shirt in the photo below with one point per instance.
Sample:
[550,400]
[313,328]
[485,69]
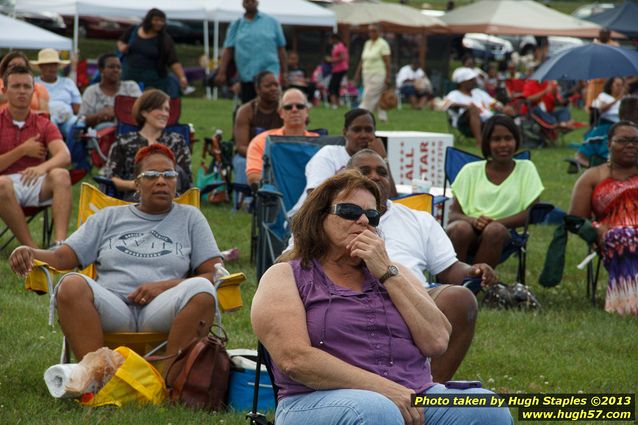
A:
[155,262]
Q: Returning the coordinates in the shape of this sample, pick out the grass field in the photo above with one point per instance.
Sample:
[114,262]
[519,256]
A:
[569,346]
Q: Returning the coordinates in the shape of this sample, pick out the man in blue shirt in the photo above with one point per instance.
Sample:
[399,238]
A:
[256,42]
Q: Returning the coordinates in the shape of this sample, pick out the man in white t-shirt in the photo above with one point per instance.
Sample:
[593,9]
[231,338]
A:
[359,129]
[416,240]
[414,84]
[469,106]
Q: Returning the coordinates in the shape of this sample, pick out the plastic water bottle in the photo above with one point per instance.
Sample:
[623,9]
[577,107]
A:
[421,185]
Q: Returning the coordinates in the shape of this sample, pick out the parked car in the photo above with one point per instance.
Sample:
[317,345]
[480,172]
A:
[191,32]
[527,43]
[487,47]
[111,27]
[50,21]
[591,9]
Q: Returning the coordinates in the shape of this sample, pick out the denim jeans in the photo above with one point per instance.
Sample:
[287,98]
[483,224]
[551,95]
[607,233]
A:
[360,407]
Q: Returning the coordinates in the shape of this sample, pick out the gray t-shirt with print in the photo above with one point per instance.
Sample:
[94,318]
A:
[130,247]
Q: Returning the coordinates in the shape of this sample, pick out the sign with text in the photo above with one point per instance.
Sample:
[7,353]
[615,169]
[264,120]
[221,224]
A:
[414,154]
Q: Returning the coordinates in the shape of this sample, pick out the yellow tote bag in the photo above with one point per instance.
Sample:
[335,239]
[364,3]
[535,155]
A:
[136,380]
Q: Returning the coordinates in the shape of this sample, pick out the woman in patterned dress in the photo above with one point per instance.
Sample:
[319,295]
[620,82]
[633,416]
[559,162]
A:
[151,111]
[609,194]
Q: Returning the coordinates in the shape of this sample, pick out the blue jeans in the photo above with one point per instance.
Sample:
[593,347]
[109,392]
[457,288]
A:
[360,407]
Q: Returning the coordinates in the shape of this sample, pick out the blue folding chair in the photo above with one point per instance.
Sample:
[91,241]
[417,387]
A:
[283,181]
[455,159]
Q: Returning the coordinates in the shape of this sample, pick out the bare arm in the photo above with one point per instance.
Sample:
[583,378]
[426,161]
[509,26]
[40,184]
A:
[241,131]
[283,62]
[459,271]
[31,147]
[63,258]
[227,55]
[357,73]
[428,325]
[178,70]
[122,46]
[517,220]
[581,194]
[279,321]
[123,185]
[456,213]
[386,61]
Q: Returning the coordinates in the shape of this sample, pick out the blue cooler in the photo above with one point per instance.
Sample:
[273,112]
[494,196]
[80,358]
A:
[242,382]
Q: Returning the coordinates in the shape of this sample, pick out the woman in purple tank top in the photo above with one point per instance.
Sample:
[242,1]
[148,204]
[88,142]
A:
[350,332]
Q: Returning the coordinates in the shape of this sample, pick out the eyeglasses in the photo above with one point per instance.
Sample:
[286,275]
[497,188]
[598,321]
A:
[289,106]
[625,140]
[353,212]
[154,175]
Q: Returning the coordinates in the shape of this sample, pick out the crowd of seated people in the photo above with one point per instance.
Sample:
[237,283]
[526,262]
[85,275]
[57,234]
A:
[349,237]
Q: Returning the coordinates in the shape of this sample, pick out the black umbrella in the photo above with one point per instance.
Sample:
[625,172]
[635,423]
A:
[622,18]
[588,62]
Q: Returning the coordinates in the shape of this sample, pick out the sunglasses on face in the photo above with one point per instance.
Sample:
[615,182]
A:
[289,106]
[154,175]
[625,140]
[353,212]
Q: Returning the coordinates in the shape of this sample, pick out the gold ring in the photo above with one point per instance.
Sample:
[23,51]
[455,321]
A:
[144,300]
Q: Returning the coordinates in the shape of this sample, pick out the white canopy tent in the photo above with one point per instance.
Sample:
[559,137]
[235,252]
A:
[17,34]
[288,12]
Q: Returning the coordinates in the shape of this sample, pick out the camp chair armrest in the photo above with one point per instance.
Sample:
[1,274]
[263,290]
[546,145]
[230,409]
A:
[228,292]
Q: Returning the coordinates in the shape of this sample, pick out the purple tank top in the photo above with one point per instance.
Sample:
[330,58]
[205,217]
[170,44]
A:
[363,329]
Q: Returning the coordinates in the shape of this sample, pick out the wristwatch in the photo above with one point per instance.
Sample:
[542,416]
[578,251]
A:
[392,271]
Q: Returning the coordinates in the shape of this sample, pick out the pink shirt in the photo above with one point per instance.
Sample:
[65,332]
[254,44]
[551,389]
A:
[12,136]
[342,65]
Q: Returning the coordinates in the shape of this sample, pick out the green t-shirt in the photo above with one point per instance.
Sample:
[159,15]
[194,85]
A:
[478,196]
[372,56]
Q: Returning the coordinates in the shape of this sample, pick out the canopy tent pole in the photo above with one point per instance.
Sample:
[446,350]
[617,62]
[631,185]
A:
[75,54]
[216,50]
[207,54]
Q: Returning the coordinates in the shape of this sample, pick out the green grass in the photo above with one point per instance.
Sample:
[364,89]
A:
[569,346]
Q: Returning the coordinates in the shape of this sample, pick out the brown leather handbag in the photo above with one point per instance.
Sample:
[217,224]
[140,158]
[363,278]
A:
[202,383]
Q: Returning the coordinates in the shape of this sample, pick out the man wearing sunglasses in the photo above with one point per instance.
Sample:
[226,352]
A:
[416,240]
[293,109]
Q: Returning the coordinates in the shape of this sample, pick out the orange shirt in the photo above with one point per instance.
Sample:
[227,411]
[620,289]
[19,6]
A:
[257,146]
[39,94]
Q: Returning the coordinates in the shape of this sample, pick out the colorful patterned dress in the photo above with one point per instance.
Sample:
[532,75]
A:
[615,203]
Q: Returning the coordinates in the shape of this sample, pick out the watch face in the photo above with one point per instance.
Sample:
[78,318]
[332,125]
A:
[393,270]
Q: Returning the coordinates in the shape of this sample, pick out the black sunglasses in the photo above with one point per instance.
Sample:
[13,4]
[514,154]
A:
[289,106]
[353,212]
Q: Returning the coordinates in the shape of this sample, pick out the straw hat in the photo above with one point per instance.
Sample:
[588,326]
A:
[49,56]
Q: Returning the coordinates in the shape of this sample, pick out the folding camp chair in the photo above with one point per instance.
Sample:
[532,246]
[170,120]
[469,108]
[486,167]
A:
[283,181]
[42,276]
[455,159]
